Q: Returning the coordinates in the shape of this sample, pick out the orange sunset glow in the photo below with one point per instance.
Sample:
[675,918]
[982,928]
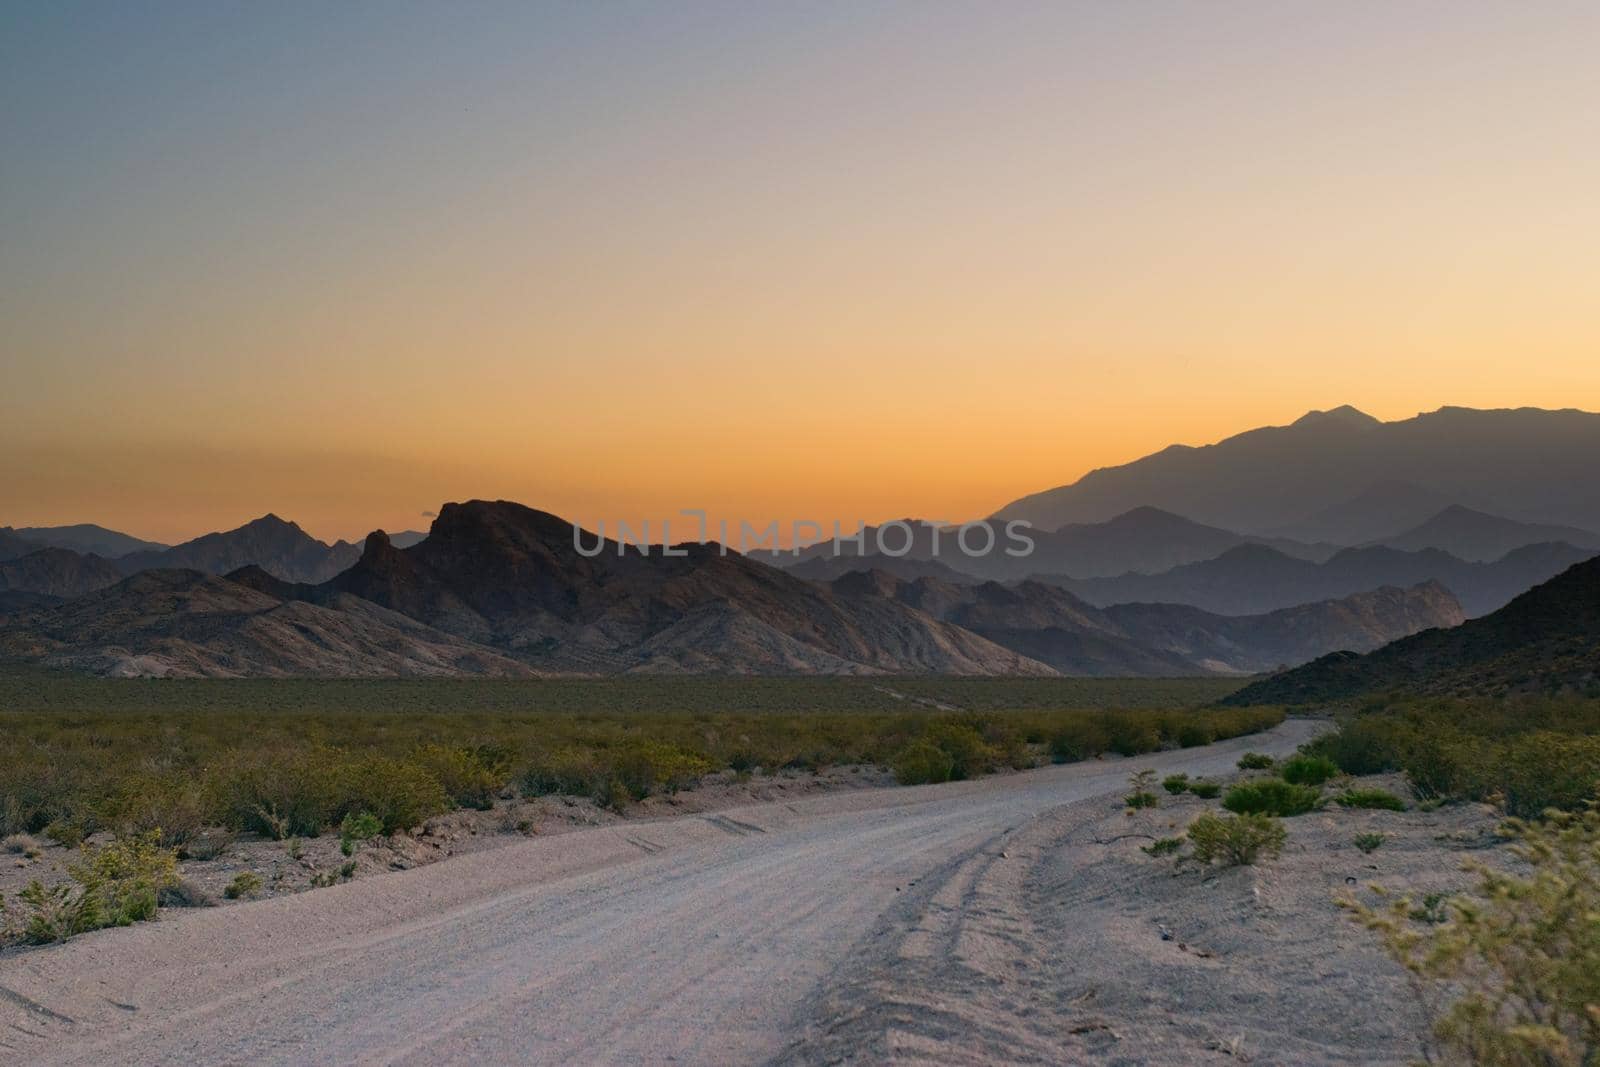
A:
[853,263]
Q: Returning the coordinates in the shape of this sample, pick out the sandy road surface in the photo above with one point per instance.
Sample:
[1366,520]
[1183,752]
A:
[702,939]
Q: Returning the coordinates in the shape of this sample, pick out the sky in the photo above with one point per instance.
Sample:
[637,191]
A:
[775,261]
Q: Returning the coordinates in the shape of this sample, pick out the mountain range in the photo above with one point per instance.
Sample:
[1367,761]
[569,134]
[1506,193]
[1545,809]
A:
[1336,532]
[498,588]
[1051,625]
[1527,464]
[1546,640]
[1252,579]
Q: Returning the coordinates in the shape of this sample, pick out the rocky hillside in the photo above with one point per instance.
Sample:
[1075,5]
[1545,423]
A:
[1546,640]
[1051,625]
[184,623]
[509,576]
[57,572]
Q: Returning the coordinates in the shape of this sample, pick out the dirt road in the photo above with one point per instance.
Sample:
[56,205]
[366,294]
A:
[704,939]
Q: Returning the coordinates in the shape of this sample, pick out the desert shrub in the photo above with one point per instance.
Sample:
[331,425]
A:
[571,771]
[244,884]
[1254,761]
[1366,745]
[173,804]
[118,884]
[1370,798]
[68,833]
[1132,734]
[1175,783]
[647,766]
[1164,846]
[278,795]
[1236,840]
[19,845]
[1143,795]
[400,794]
[1271,796]
[1079,738]
[1205,790]
[1514,977]
[1196,731]
[1308,770]
[185,894]
[1369,842]
[471,777]
[922,762]
[970,755]
[358,827]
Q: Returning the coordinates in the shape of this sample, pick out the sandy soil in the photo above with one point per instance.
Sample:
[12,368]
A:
[1011,919]
[294,867]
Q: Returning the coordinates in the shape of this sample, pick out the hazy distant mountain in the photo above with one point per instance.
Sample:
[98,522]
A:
[1547,639]
[1374,513]
[1253,579]
[89,539]
[1473,535]
[1359,623]
[1144,540]
[57,572]
[1533,465]
[509,576]
[406,538]
[282,548]
[827,568]
[1155,640]
[184,623]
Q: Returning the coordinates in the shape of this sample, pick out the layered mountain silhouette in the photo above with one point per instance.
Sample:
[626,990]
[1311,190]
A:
[1479,537]
[1528,464]
[1049,624]
[1546,640]
[281,548]
[1143,540]
[1252,579]
[88,539]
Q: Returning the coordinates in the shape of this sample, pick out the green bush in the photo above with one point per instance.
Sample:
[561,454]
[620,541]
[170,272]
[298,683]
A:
[1308,770]
[1236,840]
[1164,846]
[244,884]
[1367,745]
[922,762]
[118,884]
[1133,735]
[358,827]
[970,756]
[1515,978]
[1079,738]
[471,777]
[1370,798]
[1369,842]
[1175,783]
[1254,761]
[1205,790]
[1271,796]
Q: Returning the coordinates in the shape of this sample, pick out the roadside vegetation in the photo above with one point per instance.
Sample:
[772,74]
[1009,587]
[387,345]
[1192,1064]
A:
[1525,756]
[1508,972]
[182,777]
